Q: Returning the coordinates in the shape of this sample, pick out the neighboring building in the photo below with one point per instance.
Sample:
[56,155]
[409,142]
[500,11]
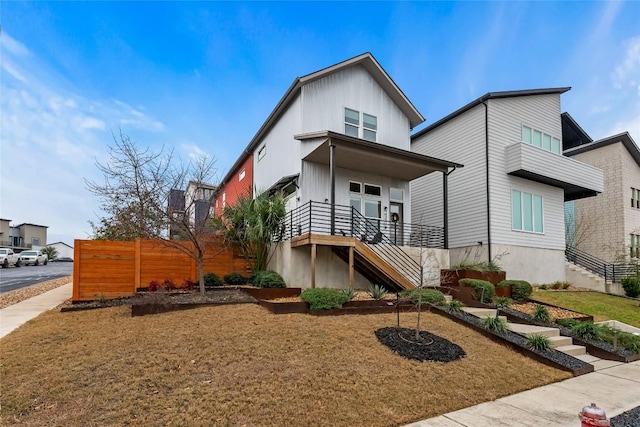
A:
[196,201]
[608,226]
[339,136]
[23,236]
[236,184]
[63,249]
[507,203]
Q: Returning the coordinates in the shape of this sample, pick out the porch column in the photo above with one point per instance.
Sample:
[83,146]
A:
[332,196]
[313,265]
[351,267]
[445,204]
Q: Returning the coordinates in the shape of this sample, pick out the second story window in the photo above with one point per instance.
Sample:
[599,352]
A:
[541,140]
[242,174]
[635,198]
[635,246]
[353,121]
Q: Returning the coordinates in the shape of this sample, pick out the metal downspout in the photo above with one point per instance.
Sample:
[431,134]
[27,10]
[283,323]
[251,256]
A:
[486,156]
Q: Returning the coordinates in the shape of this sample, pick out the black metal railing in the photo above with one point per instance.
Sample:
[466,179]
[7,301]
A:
[608,271]
[382,237]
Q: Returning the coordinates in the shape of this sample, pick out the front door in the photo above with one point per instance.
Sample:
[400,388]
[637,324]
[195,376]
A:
[396,221]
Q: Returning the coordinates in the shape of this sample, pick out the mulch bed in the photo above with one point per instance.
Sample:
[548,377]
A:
[631,418]
[429,347]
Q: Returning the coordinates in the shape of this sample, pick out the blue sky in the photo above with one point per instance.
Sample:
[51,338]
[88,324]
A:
[203,76]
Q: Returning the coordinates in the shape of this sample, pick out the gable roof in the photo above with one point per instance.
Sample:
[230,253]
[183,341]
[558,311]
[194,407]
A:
[60,243]
[365,60]
[624,138]
[572,133]
[488,96]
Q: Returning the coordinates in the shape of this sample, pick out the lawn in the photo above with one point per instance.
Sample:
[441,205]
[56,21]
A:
[240,365]
[600,306]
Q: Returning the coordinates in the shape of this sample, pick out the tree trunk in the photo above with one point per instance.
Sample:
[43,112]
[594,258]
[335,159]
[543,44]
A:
[418,322]
[200,263]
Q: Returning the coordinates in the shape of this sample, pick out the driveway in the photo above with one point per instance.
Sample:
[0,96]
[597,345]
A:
[19,277]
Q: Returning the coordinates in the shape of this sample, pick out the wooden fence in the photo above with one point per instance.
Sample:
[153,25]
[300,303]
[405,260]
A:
[112,269]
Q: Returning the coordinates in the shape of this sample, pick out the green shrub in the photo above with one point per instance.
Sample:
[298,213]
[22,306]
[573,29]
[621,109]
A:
[482,290]
[495,324]
[478,266]
[567,323]
[235,279]
[349,293]
[631,286]
[212,279]
[503,302]
[588,330]
[541,314]
[377,292]
[425,296]
[268,279]
[543,287]
[520,290]
[628,341]
[539,342]
[455,306]
[324,298]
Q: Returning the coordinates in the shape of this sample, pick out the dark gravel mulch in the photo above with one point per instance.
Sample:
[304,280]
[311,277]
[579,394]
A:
[631,418]
[553,355]
[568,333]
[429,347]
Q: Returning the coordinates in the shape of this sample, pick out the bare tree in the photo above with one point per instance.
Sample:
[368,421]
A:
[136,197]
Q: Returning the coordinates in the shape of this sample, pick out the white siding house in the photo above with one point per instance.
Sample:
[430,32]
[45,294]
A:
[340,136]
[507,203]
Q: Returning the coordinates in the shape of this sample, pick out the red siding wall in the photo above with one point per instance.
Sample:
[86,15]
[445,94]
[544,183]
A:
[231,190]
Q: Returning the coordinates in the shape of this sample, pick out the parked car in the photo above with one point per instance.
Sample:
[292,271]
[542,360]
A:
[33,257]
[8,257]
[62,259]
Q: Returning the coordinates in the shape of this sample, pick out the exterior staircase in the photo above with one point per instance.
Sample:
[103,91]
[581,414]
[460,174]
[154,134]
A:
[558,342]
[582,277]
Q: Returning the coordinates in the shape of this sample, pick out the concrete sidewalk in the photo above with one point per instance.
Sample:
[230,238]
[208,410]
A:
[15,315]
[615,390]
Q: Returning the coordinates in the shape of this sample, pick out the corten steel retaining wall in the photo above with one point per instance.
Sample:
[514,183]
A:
[112,269]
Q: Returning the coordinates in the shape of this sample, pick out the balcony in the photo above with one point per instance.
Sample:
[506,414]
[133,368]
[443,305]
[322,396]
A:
[577,179]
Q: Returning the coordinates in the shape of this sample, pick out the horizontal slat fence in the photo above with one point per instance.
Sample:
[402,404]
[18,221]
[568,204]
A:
[113,269]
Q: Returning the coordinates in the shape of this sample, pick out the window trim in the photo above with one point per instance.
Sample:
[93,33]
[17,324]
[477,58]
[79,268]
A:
[262,151]
[533,211]
[242,174]
[360,127]
[635,198]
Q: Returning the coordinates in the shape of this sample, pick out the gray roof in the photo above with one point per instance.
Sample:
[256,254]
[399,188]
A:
[488,96]
[623,137]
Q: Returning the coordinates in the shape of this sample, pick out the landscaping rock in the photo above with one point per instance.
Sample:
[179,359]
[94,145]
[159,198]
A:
[631,418]
[428,347]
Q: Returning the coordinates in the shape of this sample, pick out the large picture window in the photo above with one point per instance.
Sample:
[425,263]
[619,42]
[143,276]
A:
[527,212]
[541,140]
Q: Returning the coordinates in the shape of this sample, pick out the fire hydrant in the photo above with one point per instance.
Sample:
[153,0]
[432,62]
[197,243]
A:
[593,416]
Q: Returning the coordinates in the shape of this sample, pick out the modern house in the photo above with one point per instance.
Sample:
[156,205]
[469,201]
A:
[338,144]
[608,226]
[507,204]
[196,202]
[22,236]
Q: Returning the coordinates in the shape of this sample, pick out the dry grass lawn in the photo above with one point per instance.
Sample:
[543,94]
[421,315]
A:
[242,366]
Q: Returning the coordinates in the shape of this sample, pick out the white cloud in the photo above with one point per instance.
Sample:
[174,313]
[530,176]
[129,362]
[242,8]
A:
[627,73]
[193,151]
[53,135]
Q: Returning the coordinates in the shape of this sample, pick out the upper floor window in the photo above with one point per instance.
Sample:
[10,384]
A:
[635,198]
[262,152]
[353,121]
[541,140]
[526,212]
[35,241]
[243,172]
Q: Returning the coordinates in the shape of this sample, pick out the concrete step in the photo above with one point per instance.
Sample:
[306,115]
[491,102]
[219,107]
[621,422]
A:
[588,358]
[448,298]
[481,312]
[597,363]
[559,341]
[573,350]
[528,330]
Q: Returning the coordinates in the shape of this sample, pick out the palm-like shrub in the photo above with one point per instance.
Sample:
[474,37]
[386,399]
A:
[377,292]
[541,314]
[539,342]
[455,306]
[495,324]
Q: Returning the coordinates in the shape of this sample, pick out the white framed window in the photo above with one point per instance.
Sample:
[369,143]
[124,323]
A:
[352,125]
[241,174]
[396,194]
[527,212]
[355,196]
[35,241]
[262,152]
[541,140]
[372,201]
[224,199]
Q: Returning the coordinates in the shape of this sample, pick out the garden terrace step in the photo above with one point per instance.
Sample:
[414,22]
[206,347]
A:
[528,330]
[483,312]
[598,364]
[573,350]
[559,341]
[448,298]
